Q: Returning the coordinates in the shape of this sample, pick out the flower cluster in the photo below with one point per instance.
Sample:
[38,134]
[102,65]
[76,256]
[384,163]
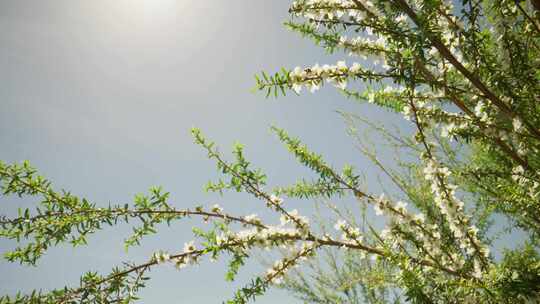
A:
[338,75]
[265,238]
[351,234]
[189,256]
[362,46]
[317,10]
[253,219]
[275,200]
[313,77]
[275,274]
[427,237]
[295,218]
[453,209]
[161,257]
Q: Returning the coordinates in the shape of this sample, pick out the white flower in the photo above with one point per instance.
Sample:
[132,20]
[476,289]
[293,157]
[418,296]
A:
[388,89]
[407,112]
[459,204]
[355,68]
[516,123]
[378,209]
[401,206]
[419,218]
[277,280]
[457,233]
[297,72]
[293,213]
[369,31]
[316,69]
[304,220]
[381,41]
[444,171]
[355,232]
[161,257]
[189,247]
[479,108]
[340,225]
[447,129]
[326,69]
[473,230]
[485,251]
[401,18]
[385,233]
[297,87]
[371,97]
[342,66]
[515,275]
[217,209]
[276,200]
[252,218]
[518,170]
[180,263]
[314,86]
[283,219]
[477,273]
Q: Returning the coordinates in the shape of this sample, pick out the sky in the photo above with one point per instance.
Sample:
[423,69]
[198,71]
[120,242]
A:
[100,97]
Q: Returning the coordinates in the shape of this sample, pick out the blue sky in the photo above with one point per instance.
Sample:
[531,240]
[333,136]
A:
[100,97]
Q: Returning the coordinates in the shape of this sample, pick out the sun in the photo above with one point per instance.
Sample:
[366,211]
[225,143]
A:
[151,5]
[150,9]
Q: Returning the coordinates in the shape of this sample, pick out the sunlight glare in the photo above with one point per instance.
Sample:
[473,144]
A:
[150,9]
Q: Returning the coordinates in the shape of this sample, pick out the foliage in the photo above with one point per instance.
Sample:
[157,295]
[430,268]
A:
[466,75]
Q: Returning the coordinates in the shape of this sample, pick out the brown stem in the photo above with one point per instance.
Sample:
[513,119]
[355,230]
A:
[445,52]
